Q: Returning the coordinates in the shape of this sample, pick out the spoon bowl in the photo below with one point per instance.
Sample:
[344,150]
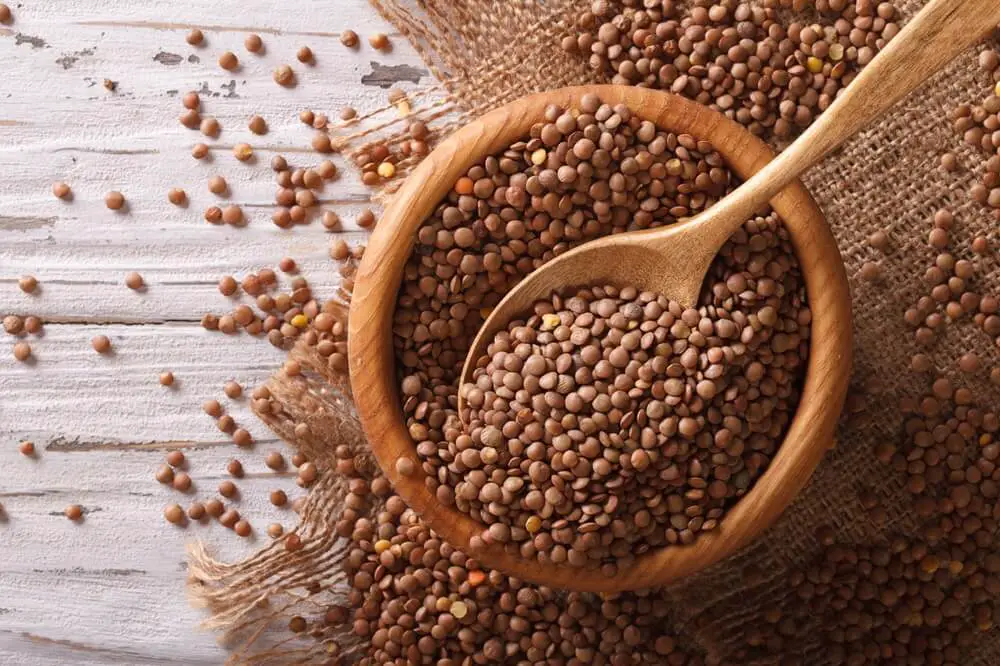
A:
[376,384]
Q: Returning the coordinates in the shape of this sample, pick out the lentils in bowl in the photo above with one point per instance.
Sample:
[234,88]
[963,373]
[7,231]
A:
[611,421]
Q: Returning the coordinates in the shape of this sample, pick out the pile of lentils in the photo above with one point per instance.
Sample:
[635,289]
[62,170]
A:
[739,58]
[979,125]
[612,420]
[417,600]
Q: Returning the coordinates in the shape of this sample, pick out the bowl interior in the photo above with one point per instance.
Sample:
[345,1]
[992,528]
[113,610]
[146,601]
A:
[372,361]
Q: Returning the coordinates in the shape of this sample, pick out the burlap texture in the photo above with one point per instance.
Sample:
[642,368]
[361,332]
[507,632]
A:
[489,52]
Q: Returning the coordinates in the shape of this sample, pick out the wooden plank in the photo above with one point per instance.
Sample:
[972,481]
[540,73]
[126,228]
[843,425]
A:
[110,589]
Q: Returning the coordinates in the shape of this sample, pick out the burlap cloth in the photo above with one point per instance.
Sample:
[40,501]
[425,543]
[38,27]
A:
[489,52]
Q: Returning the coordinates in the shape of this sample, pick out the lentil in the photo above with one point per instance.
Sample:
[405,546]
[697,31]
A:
[134,281]
[210,127]
[232,214]
[229,61]
[214,508]
[182,482]
[27,284]
[61,190]
[380,41]
[275,460]
[195,37]
[243,151]
[284,76]
[191,119]
[349,38]
[253,43]
[258,126]
[114,200]
[101,344]
[22,351]
[177,196]
[279,498]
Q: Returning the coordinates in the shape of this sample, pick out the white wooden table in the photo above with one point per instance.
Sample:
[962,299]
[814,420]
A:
[111,589]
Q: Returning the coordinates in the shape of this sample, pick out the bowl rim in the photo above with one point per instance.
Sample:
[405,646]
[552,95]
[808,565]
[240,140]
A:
[372,360]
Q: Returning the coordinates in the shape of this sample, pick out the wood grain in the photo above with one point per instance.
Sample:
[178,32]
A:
[810,433]
[111,589]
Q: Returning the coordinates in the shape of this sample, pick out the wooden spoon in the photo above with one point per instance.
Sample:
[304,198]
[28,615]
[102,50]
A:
[674,260]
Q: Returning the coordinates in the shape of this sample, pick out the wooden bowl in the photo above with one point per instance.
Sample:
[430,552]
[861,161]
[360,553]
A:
[373,369]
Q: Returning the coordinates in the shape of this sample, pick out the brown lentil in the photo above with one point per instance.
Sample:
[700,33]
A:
[305,55]
[114,200]
[195,37]
[199,151]
[232,389]
[210,127]
[101,344]
[134,281]
[232,214]
[242,437]
[214,508]
[12,324]
[253,43]
[275,460]
[27,283]
[243,151]
[196,511]
[22,351]
[166,379]
[191,119]
[61,190]
[229,518]
[26,448]
[73,512]
[380,41]
[349,38]
[182,481]
[284,76]
[235,468]
[279,498]
[177,196]
[229,61]
[258,125]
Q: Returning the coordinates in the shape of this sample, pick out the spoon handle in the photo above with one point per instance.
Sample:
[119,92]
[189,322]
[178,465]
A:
[937,34]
